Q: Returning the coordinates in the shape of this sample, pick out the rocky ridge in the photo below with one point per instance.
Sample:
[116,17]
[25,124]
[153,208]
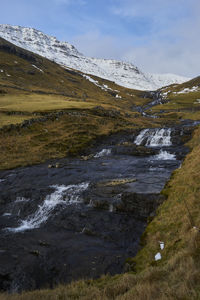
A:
[122,73]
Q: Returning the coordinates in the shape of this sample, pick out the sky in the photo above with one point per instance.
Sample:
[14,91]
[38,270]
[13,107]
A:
[158,36]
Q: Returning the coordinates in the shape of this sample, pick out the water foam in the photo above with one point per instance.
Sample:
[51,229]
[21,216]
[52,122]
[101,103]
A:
[164,155]
[104,152]
[63,195]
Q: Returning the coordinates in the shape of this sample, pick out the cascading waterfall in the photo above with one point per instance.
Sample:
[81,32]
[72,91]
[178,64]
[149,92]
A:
[154,137]
[142,135]
[104,152]
[63,195]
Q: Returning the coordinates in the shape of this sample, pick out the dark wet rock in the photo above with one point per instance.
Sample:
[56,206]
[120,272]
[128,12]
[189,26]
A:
[3,91]
[181,135]
[88,231]
[131,149]
[87,157]
[10,48]
[74,244]
[141,205]
[100,111]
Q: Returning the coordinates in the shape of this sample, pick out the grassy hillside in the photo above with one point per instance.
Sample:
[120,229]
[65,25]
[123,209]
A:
[23,73]
[32,87]
[182,101]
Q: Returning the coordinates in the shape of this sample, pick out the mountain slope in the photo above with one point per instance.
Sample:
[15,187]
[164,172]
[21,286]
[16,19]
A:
[124,74]
[181,101]
[58,112]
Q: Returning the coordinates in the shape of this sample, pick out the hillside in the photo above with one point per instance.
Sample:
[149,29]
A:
[180,101]
[33,87]
[122,73]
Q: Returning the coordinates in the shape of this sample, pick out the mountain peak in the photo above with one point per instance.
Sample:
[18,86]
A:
[122,73]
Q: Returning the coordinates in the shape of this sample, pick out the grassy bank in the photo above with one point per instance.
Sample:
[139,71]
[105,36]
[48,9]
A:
[32,86]
[66,135]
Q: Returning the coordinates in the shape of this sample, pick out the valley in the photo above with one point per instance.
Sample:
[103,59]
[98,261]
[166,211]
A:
[94,178]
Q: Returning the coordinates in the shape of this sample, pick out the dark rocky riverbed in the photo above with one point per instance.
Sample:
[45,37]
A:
[81,218]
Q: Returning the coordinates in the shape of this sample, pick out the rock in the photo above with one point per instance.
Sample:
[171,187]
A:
[130,149]
[141,205]
[50,166]
[43,243]
[117,181]
[127,268]
[34,252]
[87,231]
[87,157]
[100,204]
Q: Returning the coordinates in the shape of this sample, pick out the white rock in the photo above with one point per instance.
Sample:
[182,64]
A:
[158,256]
[162,245]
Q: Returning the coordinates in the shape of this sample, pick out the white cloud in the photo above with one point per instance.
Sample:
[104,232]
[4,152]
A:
[173,44]
[155,9]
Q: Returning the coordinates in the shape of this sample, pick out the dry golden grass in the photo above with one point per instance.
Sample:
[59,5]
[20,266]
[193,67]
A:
[36,103]
[12,119]
[66,135]
[181,106]
[117,181]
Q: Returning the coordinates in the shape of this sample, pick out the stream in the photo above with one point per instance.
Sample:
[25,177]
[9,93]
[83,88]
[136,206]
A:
[77,218]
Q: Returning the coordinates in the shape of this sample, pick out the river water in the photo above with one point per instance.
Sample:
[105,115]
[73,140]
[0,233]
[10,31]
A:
[84,218]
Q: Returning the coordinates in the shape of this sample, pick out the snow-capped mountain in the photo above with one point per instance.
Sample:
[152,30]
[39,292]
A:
[122,73]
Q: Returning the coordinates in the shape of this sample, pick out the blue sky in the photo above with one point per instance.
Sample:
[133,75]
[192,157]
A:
[161,36]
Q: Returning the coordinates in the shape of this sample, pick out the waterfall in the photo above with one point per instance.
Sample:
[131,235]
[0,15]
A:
[62,195]
[154,137]
[143,134]
[104,152]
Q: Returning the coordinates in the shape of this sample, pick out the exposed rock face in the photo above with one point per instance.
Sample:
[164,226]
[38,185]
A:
[9,48]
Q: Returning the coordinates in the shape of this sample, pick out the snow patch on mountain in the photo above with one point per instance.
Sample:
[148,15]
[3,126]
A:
[188,90]
[65,54]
